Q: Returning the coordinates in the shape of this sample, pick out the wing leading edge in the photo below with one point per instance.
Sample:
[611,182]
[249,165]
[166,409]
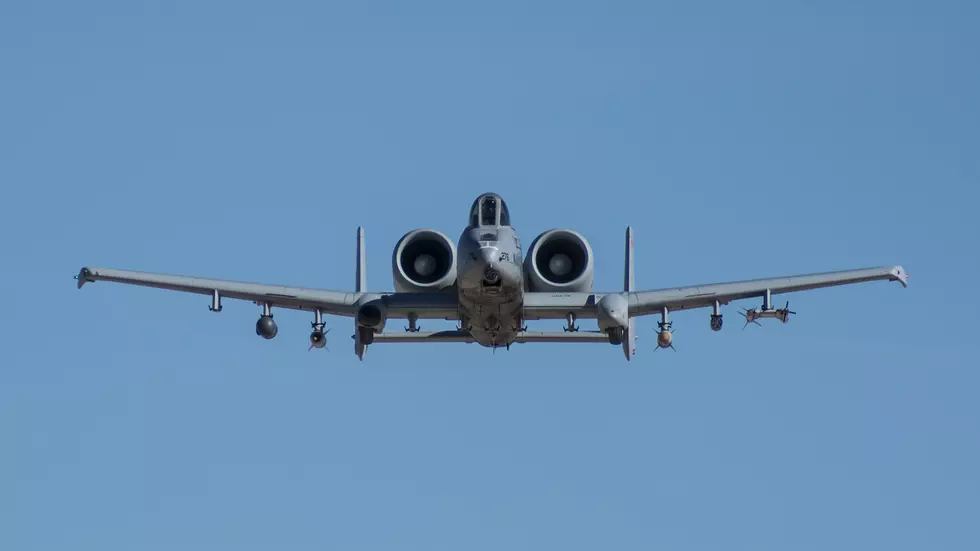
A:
[297,298]
[339,303]
[643,303]
[537,305]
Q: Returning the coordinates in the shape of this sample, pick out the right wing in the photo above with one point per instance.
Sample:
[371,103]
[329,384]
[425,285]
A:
[644,303]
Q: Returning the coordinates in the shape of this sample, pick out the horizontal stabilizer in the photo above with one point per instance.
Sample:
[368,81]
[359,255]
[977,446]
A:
[522,337]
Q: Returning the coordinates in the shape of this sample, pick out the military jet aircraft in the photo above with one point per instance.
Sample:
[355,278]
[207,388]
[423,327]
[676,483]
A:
[491,289]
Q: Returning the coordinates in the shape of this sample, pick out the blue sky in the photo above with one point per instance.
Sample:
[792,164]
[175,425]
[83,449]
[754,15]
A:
[248,141]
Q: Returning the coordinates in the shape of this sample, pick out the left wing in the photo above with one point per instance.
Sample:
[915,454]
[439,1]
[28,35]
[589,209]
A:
[338,303]
[437,305]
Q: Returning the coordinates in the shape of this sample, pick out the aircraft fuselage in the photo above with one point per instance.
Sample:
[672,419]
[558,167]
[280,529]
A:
[490,279]
[491,284]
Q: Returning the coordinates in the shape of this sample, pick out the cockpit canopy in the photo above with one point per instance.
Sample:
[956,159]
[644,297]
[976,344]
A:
[489,209]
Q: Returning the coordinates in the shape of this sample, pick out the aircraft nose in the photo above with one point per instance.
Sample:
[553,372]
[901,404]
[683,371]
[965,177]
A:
[488,256]
[489,261]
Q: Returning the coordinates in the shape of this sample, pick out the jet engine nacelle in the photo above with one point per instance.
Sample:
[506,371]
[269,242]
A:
[424,260]
[559,260]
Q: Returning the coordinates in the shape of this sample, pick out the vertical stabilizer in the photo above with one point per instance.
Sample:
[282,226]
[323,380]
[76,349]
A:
[630,279]
[359,347]
[629,285]
[360,285]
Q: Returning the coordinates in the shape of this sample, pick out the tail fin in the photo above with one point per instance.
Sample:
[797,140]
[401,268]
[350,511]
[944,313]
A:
[360,285]
[629,285]
[630,279]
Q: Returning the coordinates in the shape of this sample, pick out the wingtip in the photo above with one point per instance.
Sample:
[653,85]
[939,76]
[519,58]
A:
[83,276]
[900,275]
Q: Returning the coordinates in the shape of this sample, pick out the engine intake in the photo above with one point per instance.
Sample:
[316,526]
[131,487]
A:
[424,261]
[559,260]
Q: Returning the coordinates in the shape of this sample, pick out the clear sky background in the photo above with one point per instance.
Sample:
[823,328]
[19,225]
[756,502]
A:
[248,141]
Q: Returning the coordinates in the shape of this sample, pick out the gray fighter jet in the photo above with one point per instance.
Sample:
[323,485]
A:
[491,289]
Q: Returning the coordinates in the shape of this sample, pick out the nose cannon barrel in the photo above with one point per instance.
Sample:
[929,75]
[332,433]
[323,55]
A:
[489,260]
